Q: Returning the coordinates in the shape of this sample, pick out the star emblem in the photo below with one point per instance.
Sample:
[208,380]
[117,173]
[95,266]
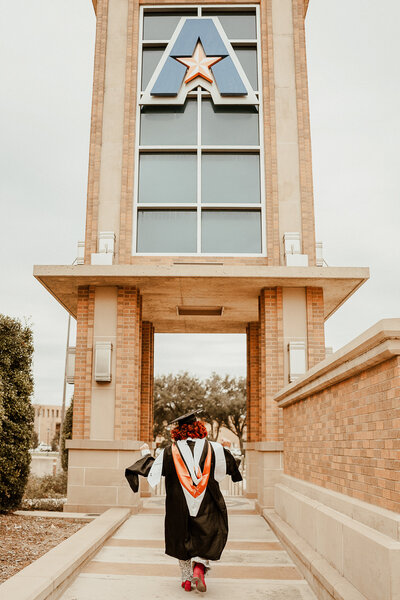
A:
[199,64]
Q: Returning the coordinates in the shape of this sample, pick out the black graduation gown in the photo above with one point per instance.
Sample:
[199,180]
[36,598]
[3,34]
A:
[204,535]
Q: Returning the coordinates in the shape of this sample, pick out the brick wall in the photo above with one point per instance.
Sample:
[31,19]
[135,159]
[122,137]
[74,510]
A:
[347,436]
[96,129]
[124,243]
[83,363]
[147,380]
[315,325]
[128,365]
[271,359]
[253,382]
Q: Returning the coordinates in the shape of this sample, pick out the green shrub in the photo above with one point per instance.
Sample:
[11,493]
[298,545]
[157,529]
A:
[43,504]
[66,434]
[47,486]
[16,349]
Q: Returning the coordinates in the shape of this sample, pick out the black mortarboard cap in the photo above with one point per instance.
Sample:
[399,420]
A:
[186,419]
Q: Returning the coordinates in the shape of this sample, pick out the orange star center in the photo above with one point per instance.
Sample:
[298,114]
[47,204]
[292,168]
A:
[199,64]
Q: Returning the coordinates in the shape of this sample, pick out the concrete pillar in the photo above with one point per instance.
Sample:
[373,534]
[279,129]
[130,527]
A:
[264,456]
[103,394]
[294,322]
[106,415]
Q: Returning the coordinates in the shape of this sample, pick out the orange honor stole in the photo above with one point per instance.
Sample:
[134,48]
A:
[183,473]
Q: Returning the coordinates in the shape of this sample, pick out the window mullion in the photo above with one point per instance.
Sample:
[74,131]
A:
[198,170]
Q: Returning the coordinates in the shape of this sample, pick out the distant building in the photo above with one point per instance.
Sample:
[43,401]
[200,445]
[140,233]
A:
[47,421]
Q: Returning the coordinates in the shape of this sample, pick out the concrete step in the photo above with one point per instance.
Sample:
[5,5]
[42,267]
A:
[132,563]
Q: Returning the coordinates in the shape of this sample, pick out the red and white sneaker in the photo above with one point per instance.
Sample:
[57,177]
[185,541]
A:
[198,577]
[187,586]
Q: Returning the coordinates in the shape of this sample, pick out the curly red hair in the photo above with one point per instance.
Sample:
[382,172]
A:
[193,430]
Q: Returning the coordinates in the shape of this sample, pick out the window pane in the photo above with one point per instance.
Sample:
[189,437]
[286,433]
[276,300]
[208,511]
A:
[231,231]
[168,178]
[150,59]
[229,125]
[238,25]
[161,26]
[248,59]
[169,125]
[230,178]
[166,231]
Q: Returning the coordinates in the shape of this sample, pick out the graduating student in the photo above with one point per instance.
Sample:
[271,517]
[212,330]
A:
[196,519]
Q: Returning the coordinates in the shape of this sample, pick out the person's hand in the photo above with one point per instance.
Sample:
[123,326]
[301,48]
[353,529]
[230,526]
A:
[226,443]
[144,447]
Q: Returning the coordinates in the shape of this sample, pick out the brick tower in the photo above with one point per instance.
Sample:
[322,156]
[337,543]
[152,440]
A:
[200,218]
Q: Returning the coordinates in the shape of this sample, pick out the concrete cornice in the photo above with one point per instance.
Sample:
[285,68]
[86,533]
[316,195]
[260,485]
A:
[199,283]
[377,344]
[213,269]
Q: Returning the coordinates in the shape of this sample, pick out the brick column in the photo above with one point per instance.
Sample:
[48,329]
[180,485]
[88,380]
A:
[147,380]
[253,382]
[128,365]
[83,363]
[96,129]
[271,355]
[304,134]
[315,325]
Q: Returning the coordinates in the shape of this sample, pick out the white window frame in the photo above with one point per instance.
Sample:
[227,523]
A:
[198,148]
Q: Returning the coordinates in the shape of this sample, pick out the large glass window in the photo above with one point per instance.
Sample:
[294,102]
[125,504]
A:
[199,175]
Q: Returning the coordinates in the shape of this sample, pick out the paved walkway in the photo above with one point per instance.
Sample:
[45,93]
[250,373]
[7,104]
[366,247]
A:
[132,563]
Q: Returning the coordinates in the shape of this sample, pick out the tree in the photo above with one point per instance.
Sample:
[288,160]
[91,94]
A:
[216,405]
[222,400]
[235,419]
[16,350]
[54,442]
[66,434]
[175,395]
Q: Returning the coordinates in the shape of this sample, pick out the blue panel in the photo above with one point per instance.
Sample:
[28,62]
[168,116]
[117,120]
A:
[192,31]
[228,79]
[170,79]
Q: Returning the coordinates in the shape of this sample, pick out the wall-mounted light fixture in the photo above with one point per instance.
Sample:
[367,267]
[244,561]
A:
[102,361]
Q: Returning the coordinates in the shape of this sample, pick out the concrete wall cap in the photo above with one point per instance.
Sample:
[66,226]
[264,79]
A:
[103,444]
[377,344]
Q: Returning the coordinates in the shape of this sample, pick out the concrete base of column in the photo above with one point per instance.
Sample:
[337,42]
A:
[96,475]
[264,470]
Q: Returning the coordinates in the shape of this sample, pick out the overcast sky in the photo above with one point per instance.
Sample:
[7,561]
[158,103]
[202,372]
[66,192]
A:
[46,61]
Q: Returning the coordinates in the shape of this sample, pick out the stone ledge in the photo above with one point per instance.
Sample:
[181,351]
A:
[382,520]
[364,557]
[104,444]
[49,575]
[325,581]
[265,446]
[54,514]
[377,344]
